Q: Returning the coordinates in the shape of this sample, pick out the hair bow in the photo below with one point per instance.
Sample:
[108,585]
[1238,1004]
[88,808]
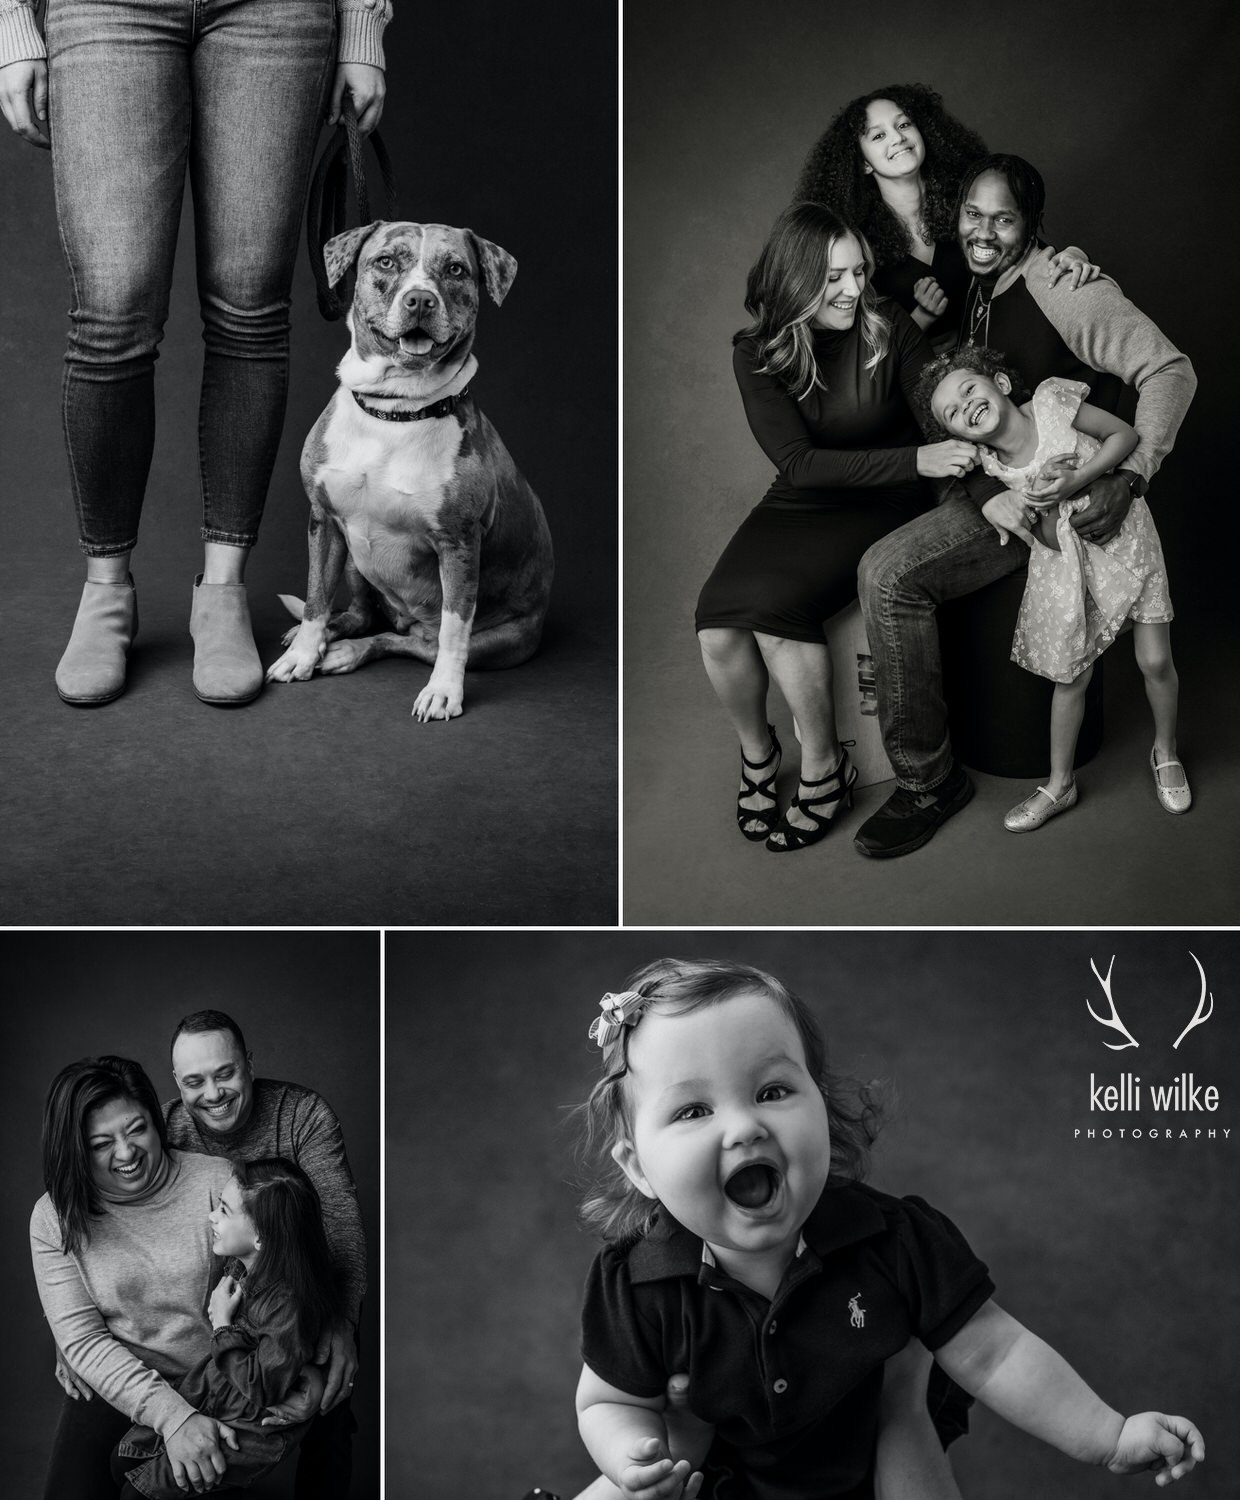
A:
[618,1011]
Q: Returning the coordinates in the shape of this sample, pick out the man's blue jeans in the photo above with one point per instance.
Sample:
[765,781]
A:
[141,90]
[948,552]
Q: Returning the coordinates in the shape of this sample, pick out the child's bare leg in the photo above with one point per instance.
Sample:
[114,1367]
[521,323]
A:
[910,1463]
[1162,688]
[1067,711]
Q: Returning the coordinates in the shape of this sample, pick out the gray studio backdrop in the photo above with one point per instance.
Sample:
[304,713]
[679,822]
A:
[719,116]
[308,1004]
[1121,1253]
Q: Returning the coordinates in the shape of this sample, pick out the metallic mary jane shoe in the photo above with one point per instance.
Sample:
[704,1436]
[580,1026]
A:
[1035,810]
[1175,799]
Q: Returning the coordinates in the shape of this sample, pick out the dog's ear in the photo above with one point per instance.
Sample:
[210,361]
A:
[499,270]
[340,254]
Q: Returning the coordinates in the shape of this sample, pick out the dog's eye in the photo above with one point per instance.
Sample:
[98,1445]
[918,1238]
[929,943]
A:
[456,269]
[384,263]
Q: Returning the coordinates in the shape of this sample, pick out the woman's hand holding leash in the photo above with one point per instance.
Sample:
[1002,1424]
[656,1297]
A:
[946,460]
[23,100]
[366,87]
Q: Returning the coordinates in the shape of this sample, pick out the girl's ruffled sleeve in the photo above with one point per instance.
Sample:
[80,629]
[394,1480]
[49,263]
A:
[616,1341]
[943,1281]
[361,24]
[19,36]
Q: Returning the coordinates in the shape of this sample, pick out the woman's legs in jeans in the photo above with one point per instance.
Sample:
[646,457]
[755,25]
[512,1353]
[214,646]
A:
[259,74]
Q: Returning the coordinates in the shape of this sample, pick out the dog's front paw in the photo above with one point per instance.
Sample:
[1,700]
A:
[343,656]
[296,665]
[438,702]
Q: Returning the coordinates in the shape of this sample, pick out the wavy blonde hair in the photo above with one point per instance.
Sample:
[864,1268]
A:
[785,289]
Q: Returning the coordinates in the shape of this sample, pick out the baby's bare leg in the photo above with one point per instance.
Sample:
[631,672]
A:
[910,1463]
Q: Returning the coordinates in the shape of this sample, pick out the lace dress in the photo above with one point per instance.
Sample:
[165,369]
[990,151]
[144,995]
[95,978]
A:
[1076,600]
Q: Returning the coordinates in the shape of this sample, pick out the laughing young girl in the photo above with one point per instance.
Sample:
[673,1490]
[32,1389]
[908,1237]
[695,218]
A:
[1078,596]
[277,1293]
[743,1248]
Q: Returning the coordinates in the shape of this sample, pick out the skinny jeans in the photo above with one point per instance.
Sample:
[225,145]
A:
[141,91]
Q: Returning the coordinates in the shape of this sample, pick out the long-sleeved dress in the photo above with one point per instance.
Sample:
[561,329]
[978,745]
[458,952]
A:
[846,461]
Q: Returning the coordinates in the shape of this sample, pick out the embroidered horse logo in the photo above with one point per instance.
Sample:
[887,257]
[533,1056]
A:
[857,1311]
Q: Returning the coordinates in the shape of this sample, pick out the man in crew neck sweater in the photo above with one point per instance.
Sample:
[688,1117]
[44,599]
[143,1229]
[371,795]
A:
[223,1110]
[1093,334]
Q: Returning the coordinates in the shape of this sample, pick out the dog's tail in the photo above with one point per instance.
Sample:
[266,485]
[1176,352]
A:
[295,606]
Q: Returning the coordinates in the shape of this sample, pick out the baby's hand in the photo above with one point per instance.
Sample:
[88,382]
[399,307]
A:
[1056,479]
[1170,1446]
[651,1474]
[224,1302]
[928,294]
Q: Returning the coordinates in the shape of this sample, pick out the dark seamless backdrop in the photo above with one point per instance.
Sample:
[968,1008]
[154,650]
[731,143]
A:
[500,118]
[1105,101]
[1120,1253]
[308,1004]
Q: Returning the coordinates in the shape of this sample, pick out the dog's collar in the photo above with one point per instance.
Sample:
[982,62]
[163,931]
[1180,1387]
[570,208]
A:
[443,408]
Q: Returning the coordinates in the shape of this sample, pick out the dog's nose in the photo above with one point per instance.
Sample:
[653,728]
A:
[421,301]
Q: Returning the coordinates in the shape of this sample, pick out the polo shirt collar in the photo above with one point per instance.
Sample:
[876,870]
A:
[845,1214]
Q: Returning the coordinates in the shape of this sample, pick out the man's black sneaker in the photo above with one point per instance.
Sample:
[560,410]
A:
[907,820]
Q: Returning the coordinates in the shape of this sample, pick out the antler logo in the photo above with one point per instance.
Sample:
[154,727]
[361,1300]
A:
[1114,1023]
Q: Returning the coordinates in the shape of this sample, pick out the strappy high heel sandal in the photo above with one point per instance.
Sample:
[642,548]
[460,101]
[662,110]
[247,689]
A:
[839,786]
[765,817]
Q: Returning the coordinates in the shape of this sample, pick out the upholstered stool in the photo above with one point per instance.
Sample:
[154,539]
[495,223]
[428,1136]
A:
[856,696]
[999,714]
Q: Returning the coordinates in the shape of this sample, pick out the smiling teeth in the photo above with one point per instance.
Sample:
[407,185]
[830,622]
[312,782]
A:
[130,1171]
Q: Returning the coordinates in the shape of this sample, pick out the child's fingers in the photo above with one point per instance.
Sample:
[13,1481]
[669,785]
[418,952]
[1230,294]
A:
[694,1487]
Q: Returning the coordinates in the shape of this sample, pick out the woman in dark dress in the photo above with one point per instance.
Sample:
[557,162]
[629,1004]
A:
[824,369]
[890,162]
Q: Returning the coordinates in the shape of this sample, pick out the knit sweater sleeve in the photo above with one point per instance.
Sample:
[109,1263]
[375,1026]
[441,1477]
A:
[1101,327]
[19,36]
[81,1334]
[361,24]
[321,1155]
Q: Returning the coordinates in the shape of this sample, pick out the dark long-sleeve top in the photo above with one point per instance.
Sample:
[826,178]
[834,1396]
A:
[858,434]
[296,1123]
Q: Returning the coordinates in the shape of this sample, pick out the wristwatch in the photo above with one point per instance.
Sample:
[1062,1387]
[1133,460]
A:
[1136,482]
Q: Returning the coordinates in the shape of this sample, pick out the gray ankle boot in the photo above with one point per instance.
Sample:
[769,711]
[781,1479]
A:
[92,670]
[226,665]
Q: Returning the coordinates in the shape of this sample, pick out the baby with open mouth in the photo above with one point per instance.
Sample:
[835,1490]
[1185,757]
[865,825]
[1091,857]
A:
[743,1250]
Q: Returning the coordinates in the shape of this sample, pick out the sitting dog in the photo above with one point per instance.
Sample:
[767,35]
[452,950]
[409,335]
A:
[412,494]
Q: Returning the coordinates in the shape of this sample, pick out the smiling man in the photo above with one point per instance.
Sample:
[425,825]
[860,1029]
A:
[1091,334]
[223,1110]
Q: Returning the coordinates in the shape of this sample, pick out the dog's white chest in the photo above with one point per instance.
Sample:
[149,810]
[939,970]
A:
[385,481]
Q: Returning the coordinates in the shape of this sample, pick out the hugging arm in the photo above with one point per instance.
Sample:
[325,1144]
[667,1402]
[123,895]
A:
[1023,1380]
[321,1155]
[627,1437]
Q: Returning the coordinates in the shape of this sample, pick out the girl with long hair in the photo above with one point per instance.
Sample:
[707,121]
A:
[825,369]
[277,1295]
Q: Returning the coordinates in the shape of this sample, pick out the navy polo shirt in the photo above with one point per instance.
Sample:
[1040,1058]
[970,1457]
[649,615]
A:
[791,1385]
